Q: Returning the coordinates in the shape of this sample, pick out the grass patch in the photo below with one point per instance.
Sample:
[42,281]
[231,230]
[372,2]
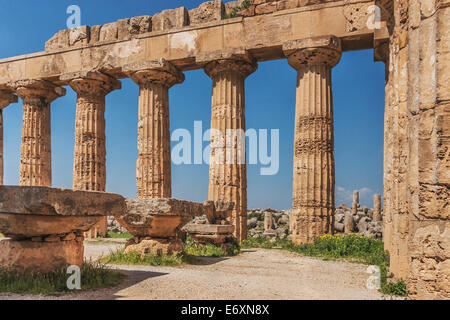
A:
[244,5]
[120,257]
[116,235]
[94,275]
[195,248]
[352,247]
[191,249]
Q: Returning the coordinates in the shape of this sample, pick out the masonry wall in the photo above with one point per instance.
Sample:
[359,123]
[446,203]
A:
[417,135]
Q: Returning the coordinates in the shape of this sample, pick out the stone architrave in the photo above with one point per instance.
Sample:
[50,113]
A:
[313,187]
[228,170]
[35,151]
[153,168]
[89,165]
[6,98]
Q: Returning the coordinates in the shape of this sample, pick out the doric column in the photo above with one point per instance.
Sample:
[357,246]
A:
[35,160]
[153,167]
[89,163]
[6,98]
[313,187]
[228,171]
[89,167]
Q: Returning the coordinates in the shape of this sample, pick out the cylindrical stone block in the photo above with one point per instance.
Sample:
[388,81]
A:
[355,202]
[35,151]
[89,166]
[376,208]
[268,225]
[313,186]
[153,167]
[228,170]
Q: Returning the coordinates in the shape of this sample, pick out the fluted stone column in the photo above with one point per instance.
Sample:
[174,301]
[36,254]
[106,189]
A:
[228,171]
[6,98]
[35,151]
[313,187]
[89,165]
[153,168]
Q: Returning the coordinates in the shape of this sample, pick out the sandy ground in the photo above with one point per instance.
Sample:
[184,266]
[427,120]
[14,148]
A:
[254,274]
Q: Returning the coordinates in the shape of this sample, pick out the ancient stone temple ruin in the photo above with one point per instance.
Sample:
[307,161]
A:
[228,40]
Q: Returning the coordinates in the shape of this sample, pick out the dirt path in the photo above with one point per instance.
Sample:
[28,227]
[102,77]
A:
[254,274]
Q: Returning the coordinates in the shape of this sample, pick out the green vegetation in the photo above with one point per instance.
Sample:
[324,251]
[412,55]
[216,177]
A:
[194,248]
[116,235]
[191,250]
[352,247]
[120,257]
[93,276]
[244,5]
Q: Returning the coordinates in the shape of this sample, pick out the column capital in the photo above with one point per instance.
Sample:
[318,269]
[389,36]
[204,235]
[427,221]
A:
[158,71]
[6,98]
[324,50]
[37,89]
[244,67]
[91,82]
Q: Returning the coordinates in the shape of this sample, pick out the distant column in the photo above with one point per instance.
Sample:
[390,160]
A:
[35,152]
[313,187]
[376,208]
[6,98]
[227,169]
[89,165]
[153,168]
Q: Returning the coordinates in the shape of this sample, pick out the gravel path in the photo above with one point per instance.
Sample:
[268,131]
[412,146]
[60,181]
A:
[254,274]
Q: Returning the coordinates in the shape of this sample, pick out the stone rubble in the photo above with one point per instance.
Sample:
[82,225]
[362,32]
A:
[270,223]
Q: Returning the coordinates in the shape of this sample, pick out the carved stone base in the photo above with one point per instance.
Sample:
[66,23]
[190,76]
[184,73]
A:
[41,256]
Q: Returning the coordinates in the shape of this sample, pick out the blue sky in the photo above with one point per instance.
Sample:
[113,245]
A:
[358,89]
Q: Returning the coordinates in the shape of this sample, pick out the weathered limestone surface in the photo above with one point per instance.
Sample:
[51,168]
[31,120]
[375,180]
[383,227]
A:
[46,225]
[261,35]
[6,98]
[59,202]
[417,134]
[210,233]
[228,170]
[219,212]
[153,168]
[160,218]
[156,224]
[376,208]
[153,246]
[35,152]
[40,257]
[89,168]
[313,194]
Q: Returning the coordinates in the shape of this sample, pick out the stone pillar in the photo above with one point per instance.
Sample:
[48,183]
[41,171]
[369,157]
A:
[355,203]
[349,223]
[376,208]
[89,165]
[6,98]
[35,151]
[228,170]
[268,222]
[313,187]
[153,168]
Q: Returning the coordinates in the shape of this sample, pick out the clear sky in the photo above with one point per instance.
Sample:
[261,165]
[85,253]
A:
[358,89]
